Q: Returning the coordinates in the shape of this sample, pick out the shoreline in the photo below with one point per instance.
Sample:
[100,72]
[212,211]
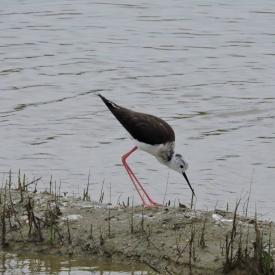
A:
[169,240]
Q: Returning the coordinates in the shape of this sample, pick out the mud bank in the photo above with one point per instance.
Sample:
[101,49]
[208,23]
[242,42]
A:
[169,240]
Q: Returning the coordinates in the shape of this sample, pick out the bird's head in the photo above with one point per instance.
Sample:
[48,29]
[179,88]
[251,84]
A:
[178,164]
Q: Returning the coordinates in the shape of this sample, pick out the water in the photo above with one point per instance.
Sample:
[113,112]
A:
[207,67]
[46,265]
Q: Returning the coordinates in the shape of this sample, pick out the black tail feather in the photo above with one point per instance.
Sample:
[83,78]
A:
[107,102]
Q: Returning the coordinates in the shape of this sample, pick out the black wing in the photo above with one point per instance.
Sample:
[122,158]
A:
[142,127]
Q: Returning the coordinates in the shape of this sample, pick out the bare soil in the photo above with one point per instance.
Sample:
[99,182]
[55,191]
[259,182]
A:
[169,240]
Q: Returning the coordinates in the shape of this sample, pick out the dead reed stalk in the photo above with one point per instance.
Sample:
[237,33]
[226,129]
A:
[69,232]
[3,220]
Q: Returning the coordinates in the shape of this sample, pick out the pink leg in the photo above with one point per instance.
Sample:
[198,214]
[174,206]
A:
[140,185]
[136,182]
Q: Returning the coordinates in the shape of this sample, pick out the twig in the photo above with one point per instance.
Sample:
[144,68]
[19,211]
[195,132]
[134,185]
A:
[101,193]
[166,188]
[152,267]
[3,221]
[202,238]
[86,192]
[32,182]
[69,232]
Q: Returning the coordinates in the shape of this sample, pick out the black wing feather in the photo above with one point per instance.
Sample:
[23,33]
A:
[142,127]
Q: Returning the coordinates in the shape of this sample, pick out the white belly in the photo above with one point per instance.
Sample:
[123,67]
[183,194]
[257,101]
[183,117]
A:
[159,151]
[151,149]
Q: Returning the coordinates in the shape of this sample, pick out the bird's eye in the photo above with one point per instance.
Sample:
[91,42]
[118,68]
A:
[181,166]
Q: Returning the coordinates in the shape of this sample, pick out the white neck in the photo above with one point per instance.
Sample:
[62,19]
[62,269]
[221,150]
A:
[172,163]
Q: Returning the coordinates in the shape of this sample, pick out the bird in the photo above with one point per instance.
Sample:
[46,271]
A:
[152,135]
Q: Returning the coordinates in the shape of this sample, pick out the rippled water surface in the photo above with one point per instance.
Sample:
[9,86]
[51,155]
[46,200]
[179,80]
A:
[207,67]
[46,265]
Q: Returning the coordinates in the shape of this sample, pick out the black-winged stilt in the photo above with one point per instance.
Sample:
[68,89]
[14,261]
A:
[152,135]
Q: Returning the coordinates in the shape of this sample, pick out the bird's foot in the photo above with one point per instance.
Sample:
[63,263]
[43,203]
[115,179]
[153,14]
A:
[152,204]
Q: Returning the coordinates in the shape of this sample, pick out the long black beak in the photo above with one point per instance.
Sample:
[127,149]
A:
[189,184]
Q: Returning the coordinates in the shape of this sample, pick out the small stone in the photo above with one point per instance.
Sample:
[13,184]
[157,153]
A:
[73,217]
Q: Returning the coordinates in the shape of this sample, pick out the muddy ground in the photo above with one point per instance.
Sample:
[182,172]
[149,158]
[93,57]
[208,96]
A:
[169,240]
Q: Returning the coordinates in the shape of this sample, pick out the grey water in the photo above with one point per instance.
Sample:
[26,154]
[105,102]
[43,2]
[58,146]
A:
[205,66]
